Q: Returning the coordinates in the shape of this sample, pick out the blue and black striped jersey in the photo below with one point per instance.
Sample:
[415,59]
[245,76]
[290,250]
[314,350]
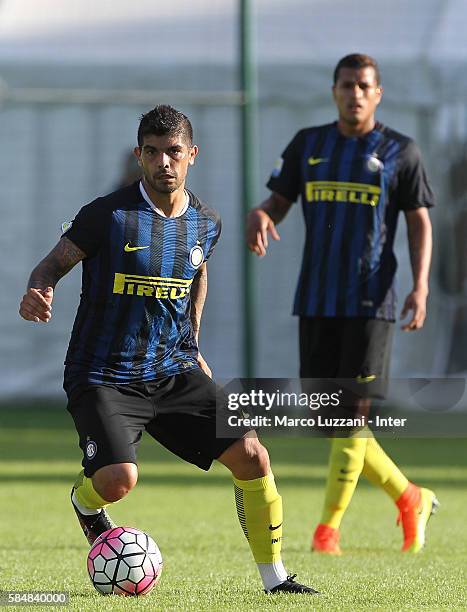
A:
[352,190]
[133,321]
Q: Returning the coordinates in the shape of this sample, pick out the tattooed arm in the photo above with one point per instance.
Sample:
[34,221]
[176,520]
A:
[36,304]
[420,246]
[199,290]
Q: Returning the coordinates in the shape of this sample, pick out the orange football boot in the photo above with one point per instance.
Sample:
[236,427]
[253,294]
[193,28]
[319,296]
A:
[326,540]
[416,505]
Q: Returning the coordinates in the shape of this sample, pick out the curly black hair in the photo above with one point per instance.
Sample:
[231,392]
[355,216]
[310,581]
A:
[163,120]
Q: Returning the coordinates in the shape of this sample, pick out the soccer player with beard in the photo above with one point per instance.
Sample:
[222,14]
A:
[354,176]
[133,362]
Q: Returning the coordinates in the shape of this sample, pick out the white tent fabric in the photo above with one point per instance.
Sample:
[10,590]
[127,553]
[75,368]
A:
[303,31]
[61,156]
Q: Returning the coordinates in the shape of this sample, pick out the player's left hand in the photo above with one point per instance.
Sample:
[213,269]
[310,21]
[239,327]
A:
[415,302]
[204,366]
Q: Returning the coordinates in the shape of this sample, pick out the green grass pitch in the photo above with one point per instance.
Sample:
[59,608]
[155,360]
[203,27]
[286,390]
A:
[191,515]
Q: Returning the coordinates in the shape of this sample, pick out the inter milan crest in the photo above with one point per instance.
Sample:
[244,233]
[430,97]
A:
[374,164]
[196,256]
[91,449]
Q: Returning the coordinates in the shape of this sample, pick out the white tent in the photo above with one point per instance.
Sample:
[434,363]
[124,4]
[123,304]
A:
[303,31]
[59,155]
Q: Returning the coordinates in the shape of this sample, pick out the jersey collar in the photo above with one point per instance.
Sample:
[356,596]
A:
[158,210]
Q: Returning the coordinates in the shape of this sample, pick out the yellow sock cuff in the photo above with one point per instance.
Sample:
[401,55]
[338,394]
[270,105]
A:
[352,444]
[258,484]
[87,495]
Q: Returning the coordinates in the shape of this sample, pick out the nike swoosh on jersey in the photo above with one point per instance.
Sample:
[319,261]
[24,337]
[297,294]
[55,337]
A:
[313,161]
[129,249]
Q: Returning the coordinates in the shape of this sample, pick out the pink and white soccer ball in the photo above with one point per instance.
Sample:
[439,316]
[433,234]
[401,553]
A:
[124,561]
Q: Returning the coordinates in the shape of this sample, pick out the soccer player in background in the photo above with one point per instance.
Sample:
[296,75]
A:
[354,175]
[133,362]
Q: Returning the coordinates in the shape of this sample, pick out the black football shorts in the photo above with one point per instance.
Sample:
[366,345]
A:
[347,348]
[178,411]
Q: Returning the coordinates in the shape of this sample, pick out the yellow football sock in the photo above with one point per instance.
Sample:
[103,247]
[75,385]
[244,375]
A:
[87,495]
[345,465]
[259,509]
[382,471]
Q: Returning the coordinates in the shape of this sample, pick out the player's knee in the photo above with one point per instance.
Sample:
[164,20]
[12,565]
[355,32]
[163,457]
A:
[247,459]
[257,456]
[113,482]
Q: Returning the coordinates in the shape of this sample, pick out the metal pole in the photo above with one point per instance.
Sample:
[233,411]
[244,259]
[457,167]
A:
[248,171]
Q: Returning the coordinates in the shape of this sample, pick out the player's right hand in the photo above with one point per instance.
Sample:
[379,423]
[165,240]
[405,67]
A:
[415,302]
[36,305]
[204,366]
[259,224]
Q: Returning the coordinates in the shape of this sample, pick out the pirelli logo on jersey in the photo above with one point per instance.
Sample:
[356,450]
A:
[336,191]
[151,286]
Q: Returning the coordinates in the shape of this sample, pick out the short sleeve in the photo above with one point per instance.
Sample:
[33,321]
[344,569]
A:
[413,189]
[285,178]
[87,228]
[213,237]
